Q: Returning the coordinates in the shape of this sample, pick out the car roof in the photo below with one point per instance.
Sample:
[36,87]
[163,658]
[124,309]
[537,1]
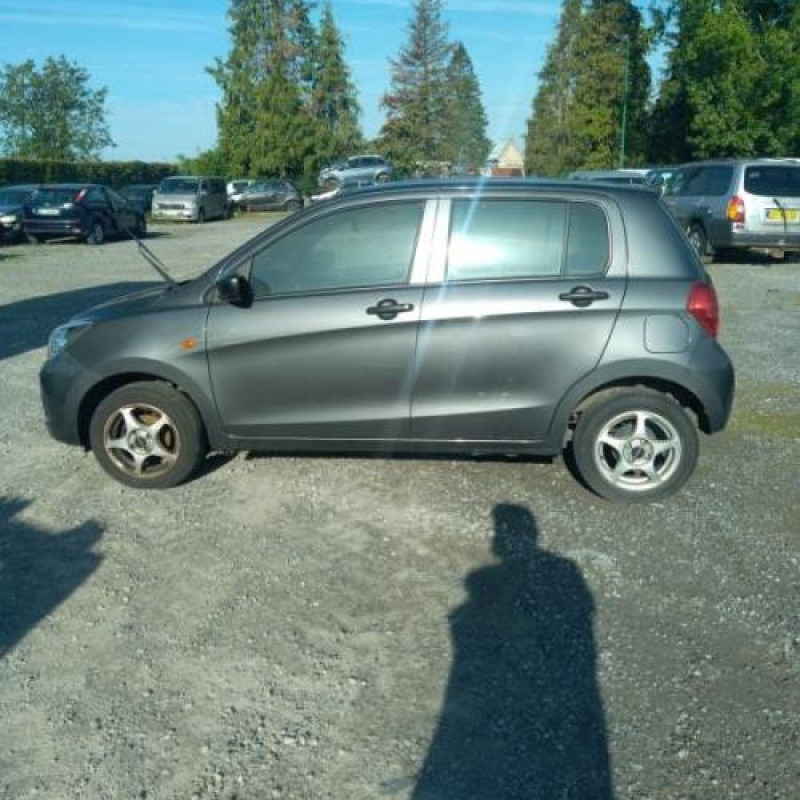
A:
[510,185]
[73,186]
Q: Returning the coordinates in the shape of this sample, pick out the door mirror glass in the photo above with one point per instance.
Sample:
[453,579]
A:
[235,289]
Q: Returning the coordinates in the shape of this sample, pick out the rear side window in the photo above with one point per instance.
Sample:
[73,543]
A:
[773,181]
[501,239]
[507,239]
[718,181]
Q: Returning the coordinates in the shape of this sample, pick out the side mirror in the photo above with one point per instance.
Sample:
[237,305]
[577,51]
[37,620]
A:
[235,289]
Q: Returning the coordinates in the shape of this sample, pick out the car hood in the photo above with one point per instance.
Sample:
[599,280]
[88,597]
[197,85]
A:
[12,209]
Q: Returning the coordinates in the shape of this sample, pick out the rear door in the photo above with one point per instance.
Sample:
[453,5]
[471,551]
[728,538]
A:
[526,303]
[684,194]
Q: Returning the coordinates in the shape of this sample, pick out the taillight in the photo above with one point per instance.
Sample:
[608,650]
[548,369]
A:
[736,212]
[702,305]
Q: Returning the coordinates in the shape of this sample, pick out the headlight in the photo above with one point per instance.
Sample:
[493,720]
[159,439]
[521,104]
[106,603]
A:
[62,336]
[9,219]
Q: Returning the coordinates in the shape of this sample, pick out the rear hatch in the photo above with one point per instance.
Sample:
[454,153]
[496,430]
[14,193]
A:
[772,198]
[56,202]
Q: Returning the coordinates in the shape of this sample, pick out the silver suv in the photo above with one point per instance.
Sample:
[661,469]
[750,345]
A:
[730,205]
[356,168]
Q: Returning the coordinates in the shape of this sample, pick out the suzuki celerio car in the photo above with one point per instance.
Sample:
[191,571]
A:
[468,317]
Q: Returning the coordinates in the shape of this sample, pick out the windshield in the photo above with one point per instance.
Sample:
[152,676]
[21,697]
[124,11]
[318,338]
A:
[178,186]
[773,181]
[12,197]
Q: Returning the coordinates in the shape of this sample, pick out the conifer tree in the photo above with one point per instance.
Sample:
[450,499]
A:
[416,101]
[334,102]
[464,123]
[547,145]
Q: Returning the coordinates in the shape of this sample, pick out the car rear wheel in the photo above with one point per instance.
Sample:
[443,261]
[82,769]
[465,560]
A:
[635,445]
[292,206]
[147,435]
[201,216]
[97,233]
[141,228]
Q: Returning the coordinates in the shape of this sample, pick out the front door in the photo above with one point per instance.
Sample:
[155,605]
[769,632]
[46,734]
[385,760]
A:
[325,350]
[525,310]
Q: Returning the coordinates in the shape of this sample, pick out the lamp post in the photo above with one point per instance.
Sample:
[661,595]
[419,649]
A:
[626,86]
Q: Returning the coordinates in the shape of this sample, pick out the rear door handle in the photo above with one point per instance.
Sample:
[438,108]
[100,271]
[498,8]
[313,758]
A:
[583,296]
[389,309]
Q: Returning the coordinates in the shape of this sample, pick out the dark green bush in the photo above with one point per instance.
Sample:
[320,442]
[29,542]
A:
[110,173]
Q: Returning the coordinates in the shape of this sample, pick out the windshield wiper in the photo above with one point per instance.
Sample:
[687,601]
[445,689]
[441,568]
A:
[151,258]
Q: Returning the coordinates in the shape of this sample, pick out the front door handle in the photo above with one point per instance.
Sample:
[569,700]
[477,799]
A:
[583,296]
[389,309]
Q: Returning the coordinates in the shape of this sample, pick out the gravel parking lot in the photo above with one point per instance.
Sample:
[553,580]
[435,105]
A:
[395,627]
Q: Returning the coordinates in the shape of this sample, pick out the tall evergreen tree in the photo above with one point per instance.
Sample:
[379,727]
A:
[593,91]
[264,119]
[548,148]
[416,101]
[464,123]
[334,102]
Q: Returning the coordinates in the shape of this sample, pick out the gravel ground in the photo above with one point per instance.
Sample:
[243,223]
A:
[403,628]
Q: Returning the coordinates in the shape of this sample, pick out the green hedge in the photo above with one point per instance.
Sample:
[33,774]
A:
[110,173]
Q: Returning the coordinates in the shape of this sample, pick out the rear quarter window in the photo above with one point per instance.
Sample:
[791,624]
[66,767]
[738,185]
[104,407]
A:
[588,245]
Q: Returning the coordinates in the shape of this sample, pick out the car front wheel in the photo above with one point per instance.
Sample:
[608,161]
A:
[635,445]
[147,435]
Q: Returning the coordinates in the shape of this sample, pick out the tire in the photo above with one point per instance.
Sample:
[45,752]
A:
[147,435]
[292,206]
[699,241]
[635,445]
[201,216]
[141,228]
[32,238]
[97,233]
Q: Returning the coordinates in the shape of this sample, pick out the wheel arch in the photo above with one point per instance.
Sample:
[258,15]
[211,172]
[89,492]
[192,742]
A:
[665,383]
[105,386]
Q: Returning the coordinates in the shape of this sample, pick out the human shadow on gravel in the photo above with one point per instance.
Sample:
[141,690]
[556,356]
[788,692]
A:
[26,324]
[38,570]
[522,715]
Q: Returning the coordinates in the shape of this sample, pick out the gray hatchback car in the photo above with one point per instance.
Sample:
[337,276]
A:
[466,317]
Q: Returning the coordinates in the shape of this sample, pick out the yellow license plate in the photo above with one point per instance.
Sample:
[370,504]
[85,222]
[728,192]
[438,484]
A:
[792,214]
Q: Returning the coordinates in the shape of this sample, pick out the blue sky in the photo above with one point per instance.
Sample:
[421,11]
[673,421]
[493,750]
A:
[151,55]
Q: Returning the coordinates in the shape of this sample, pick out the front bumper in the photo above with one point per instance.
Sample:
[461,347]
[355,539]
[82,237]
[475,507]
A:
[182,214]
[61,382]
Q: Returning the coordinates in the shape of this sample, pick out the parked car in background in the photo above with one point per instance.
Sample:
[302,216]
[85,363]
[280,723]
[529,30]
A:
[271,195]
[729,205]
[370,167]
[191,198]
[236,189]
[12,211]
[465,317]
[141,195]
[84,211]
[342,188]
[629,177]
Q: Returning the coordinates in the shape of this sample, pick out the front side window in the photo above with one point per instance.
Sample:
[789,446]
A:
[354,248]
[502,239]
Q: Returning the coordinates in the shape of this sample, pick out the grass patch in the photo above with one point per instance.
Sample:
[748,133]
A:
[777,425]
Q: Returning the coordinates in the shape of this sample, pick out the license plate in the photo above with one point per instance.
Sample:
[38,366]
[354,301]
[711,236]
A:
[776,215]
[48,212]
